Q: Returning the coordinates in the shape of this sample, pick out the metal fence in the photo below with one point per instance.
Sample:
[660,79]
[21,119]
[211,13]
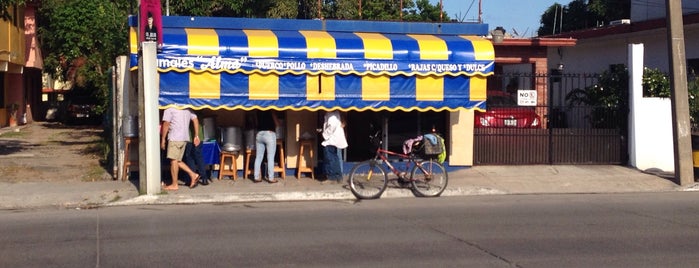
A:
[571,132]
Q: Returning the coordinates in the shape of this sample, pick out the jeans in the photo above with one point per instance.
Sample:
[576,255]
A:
[331,163]
[265,140]
[194,160]
[339,160]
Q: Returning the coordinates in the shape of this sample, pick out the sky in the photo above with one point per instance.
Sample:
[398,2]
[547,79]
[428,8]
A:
[522,15]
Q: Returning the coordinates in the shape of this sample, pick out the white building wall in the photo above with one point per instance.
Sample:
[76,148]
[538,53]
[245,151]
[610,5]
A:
[595,55]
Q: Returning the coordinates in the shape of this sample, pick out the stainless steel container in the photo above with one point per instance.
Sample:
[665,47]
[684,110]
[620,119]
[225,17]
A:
[250,136]
[209,128]
[129,126]
[231,139]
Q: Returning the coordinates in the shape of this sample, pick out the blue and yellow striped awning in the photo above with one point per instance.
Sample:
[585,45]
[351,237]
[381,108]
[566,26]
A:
[314,70]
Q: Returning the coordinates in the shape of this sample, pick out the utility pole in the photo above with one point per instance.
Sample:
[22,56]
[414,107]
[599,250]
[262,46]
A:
[441,11]
[682,143]
[480,11]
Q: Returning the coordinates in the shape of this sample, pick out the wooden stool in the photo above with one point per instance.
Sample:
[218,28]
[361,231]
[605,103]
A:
[247,167]
[308,167]
[128,141]
[233,169]
[281,167]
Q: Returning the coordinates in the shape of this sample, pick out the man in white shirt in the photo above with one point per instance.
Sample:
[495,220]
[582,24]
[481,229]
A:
[333,139]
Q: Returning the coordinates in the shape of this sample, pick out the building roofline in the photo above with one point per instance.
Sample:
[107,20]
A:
[542,42]
[633,27]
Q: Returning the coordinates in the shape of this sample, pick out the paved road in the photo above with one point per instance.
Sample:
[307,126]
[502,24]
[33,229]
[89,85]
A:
[580,230]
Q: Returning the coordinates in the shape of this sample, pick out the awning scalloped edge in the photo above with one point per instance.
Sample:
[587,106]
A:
[321,108]
[193,70]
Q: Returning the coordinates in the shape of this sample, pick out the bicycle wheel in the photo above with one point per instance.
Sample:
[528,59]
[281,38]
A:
[368,180]
[430,180]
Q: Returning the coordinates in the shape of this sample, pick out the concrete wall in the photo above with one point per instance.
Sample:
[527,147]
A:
[460,142]
[650,121]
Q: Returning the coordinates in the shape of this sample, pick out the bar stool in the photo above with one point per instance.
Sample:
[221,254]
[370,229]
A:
[247,167]
[308,167]
[281,166]
[233,169]
[128,141]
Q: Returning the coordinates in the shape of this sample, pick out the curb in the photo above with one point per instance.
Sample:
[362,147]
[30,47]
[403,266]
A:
[284,196]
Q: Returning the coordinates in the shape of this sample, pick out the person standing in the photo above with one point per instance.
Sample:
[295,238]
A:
[194,159]
[176,129]
[333,139]
[266,140]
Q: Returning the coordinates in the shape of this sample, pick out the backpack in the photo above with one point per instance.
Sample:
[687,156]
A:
[433,147]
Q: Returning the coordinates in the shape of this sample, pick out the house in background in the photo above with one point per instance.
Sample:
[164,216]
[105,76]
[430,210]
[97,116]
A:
[20,65]
[599,48]
[641,39]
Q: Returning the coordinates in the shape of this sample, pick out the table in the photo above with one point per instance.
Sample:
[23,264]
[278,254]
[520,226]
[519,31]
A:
[210,151]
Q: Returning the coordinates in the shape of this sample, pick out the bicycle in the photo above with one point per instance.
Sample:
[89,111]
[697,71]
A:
[369,179]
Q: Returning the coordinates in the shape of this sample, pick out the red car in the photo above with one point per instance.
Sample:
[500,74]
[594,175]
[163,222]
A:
[503,112]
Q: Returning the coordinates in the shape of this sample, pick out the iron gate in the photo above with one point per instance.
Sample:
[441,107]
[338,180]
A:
[582,132]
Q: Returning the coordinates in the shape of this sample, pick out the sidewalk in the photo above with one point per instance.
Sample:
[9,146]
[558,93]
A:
[479,180]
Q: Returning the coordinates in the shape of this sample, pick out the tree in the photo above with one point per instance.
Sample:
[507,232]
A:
[5,8]
[341,9]
[420,10]
[220,8]
[423,11]
[283,9]
[80,40]
[582,14]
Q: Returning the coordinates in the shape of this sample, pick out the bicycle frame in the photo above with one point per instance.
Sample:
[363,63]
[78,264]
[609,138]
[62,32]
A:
[382,154]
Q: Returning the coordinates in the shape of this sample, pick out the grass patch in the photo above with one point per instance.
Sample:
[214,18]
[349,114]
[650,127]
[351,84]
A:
[95,173]
[14,134]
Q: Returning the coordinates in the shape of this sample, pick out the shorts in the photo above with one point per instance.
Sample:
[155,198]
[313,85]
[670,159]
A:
[175,150]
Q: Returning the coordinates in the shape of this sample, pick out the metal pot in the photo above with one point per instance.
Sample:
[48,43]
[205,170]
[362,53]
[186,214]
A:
[130,126]
[250,139]
[231,139]
[209,128]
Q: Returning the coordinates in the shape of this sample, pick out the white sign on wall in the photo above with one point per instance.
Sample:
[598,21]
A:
[526,97]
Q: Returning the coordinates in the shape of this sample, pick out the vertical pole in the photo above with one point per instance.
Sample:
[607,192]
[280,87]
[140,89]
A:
[682,142]
[555,17]
[148,117]
[116,121]
[121,111]
[560,27]
[480,11]
[360,9]
[441,10]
